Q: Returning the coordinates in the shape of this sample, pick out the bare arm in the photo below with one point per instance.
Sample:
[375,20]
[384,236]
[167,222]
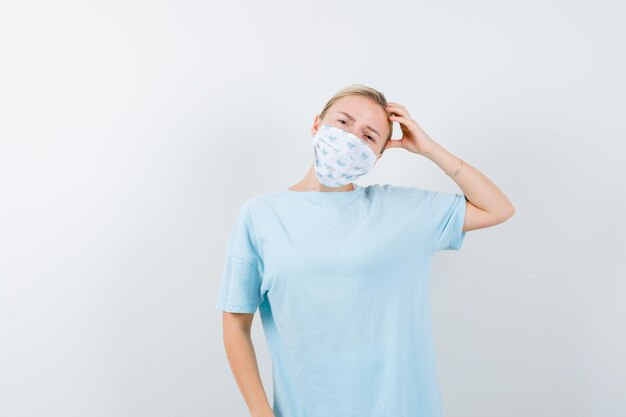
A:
[486,204]
[243,364]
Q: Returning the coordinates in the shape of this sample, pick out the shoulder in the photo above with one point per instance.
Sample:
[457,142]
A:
[259,202]
[402,192]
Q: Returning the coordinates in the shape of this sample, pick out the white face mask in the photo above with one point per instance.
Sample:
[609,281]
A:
[340,156]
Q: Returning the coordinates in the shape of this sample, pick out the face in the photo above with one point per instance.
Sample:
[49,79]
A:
[360,116]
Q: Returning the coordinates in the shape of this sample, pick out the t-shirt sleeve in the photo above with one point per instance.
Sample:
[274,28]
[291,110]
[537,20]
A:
[240,285]
[448,215]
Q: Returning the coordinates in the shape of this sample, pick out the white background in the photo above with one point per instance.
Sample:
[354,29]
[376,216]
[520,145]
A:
[131,132]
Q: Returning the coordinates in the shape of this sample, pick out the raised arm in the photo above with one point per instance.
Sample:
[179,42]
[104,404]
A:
[486,204]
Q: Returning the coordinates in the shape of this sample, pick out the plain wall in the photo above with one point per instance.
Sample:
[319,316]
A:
[131,132]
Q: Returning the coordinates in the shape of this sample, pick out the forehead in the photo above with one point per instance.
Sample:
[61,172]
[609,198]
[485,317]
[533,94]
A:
[357,103]
[363,109]
[360,107]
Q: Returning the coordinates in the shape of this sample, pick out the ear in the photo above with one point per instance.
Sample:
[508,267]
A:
[316,124]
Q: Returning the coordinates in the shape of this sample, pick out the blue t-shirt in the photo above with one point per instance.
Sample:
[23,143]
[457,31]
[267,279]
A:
[342,283]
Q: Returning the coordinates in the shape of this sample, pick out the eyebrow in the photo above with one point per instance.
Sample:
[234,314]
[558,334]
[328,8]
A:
[352,119]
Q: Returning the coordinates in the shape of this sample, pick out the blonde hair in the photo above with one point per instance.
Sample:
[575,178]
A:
[361,90]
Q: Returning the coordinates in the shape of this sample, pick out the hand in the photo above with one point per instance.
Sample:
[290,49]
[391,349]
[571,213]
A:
[414,139]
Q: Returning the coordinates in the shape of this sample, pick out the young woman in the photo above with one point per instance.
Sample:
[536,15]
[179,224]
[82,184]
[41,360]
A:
[340,273]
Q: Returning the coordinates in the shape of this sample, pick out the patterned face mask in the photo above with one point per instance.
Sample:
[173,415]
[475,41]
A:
[340,156]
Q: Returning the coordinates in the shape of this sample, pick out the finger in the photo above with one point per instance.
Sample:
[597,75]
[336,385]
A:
[400,119]
[397,110]
[393,143]
[398,105]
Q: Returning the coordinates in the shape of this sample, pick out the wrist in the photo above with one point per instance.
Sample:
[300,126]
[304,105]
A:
[432,150]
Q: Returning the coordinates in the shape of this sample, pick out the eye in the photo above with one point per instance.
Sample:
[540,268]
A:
[371,138]
[341,120]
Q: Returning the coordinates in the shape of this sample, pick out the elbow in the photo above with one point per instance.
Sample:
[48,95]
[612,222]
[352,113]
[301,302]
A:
[508,214]
[503,215]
